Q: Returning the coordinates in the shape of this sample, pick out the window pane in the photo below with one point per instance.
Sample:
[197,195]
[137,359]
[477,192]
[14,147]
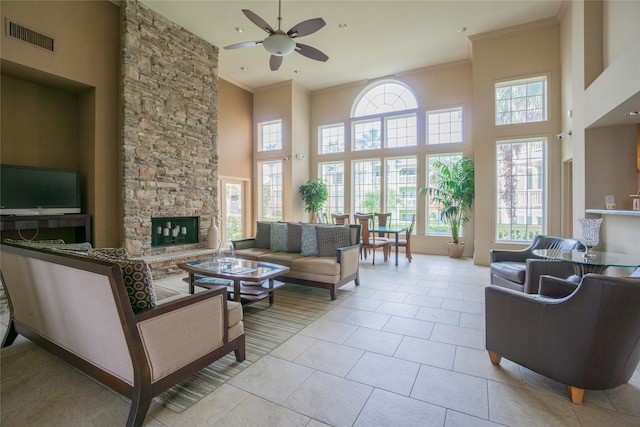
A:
[270,135]
[366,186]
[520,167]
[367,135]
[333,175]
[401,191]
[385,97]
[444,126]
[271,189]
[435,226]
[521,101]
[332,139]
[401,131]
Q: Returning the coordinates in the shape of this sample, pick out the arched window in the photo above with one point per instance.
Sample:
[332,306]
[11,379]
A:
[382,97]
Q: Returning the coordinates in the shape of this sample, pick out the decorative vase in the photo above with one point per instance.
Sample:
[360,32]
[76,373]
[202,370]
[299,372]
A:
[590,228]
[455,250]
[212,234]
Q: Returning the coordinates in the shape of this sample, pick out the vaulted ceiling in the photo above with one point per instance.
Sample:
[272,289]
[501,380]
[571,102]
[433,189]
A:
[363,39]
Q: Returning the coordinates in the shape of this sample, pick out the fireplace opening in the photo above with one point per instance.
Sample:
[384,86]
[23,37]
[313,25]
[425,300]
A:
[172,231]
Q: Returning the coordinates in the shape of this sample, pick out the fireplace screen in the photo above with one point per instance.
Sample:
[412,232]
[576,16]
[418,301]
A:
[171,231]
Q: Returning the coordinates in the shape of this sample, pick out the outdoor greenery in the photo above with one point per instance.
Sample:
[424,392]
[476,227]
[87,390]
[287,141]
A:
[314,194]
[453,193]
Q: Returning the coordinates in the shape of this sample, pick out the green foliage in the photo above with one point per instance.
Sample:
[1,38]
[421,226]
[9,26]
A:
[314,193]
[453,193]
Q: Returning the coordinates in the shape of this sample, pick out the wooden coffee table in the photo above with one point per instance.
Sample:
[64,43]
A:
[247,278]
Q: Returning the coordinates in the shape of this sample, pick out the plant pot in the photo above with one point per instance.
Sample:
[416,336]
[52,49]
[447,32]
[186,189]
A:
[455,249]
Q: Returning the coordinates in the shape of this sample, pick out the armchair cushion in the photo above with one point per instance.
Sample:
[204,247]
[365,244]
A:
[514,271]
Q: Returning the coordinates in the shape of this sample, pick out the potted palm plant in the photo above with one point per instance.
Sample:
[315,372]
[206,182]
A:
[314,194]
[453,193]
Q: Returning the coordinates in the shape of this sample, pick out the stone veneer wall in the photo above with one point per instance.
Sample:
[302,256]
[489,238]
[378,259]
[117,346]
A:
[169,89]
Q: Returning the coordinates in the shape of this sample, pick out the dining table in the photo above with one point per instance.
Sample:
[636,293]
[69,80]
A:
[593,262]
[389,230]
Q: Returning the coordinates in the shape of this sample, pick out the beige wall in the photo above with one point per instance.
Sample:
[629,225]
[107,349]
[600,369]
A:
[85,60]
[235,121]
[39,125]
[515,53]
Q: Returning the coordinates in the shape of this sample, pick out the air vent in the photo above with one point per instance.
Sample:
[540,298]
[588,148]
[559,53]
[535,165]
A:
[21,33]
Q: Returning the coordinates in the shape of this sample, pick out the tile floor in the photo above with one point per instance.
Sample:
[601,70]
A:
[406,349]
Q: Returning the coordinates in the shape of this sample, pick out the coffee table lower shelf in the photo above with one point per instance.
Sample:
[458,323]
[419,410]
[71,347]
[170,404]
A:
[248,292]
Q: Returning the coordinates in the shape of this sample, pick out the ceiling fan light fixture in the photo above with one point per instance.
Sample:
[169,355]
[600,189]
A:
[279,44]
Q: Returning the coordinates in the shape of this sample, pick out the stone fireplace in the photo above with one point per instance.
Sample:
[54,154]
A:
[169,82]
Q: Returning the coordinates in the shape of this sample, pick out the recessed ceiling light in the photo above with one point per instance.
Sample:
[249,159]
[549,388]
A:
[243,68]
[239,29]
[632,113]
[342,26]
[462,29]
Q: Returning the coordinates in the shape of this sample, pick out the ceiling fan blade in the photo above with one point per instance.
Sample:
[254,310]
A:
[243,44]
[311,52]
[258,21]
[275,62]
[307,27]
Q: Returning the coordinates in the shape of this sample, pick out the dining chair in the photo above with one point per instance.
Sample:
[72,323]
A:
[406,242]
[340,219]
[383,220]
[322,217]
[369,240]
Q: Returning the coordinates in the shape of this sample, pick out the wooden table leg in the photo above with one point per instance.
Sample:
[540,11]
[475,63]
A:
[236,290]
[396,249]
[272,293]
[191,280]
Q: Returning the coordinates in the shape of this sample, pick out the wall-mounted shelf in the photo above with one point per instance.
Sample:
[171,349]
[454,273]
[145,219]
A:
[612,212]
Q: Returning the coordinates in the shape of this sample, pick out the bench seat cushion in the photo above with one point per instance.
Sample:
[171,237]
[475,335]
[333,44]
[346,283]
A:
[513,271]
[280,258]
[252,253]
[319,266]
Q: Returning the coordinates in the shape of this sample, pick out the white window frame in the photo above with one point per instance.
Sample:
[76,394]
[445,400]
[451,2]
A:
[331,131]
[436,138]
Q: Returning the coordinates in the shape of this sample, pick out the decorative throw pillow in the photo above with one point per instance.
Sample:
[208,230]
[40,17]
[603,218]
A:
[309,241]
[120,253]
[294,237]
[279,236]
[263,235]
[137,278]
[332,238]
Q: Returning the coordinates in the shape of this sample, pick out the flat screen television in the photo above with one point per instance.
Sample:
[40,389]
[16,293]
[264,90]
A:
[28,190]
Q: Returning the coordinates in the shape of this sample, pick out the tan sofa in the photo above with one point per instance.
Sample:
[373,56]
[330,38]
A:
[78,308]
[327,272]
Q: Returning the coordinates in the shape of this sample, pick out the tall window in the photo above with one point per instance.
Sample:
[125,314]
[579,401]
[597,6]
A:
[401,186]
[521,101]
[332,139]
[444,126]
[271,191]
[520,191]
[435,225]
[333,175]
[270,135]
[366,186]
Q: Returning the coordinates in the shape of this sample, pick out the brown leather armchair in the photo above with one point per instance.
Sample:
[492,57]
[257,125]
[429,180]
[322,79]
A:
[520,270]
[589,339]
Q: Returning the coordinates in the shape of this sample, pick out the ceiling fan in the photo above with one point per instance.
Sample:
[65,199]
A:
[279,43]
